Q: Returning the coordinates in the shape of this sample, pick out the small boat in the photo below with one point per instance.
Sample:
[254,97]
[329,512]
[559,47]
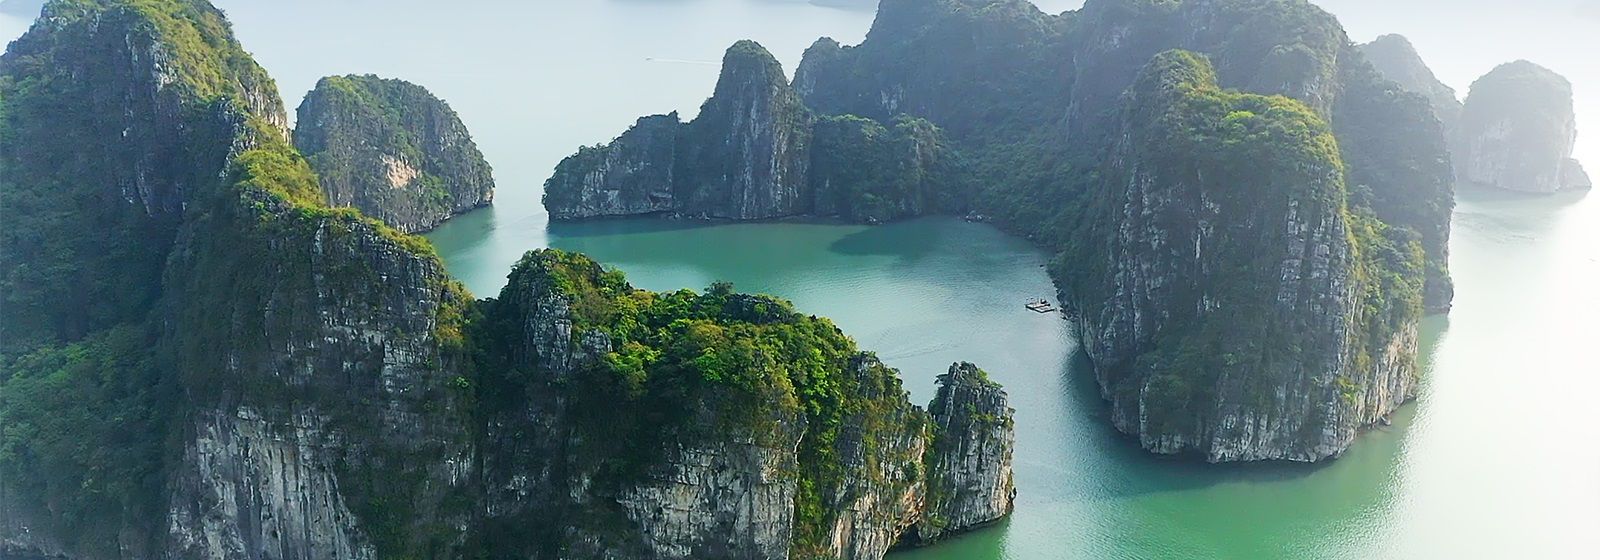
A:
[1040,306]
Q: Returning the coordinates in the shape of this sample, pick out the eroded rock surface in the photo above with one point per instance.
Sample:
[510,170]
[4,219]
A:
[392,150]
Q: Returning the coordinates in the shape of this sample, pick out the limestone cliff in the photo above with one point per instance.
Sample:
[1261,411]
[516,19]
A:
[99,79]
[1517,130]
[1191,355]
[296,381]
[632,175]
[970,482]
[119,117]
[744,157]
[1030,104]
[392,150]
[323,360]
[746,153]
[1395,58]
[817,458]
[750,154]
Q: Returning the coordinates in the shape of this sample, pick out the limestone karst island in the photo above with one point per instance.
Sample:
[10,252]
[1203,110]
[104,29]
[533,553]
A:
[801,280]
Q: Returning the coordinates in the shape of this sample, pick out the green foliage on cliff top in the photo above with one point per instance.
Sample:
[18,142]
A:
[268,242]
[366,135]
[685,367]
[197,36]
[89,218]
[106,156]
[1188,136]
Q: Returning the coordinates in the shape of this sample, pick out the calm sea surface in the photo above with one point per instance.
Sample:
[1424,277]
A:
[1498,458]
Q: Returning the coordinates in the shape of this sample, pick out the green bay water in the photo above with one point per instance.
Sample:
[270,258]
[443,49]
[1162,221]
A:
[1498,458]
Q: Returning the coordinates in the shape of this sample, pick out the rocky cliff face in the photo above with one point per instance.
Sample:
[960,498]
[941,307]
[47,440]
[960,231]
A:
[1399,167]
[1395,58]
[1032,103]
[323,362]
[745,155]
[307,382]
[1190,355]
[119,117]
[971,481]
[724,478]
[109,84]
[633,175]
[1517,130]
[750,154]
[392,150]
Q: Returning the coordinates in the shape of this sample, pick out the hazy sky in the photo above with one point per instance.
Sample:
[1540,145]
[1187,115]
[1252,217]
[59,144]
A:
[1460,39]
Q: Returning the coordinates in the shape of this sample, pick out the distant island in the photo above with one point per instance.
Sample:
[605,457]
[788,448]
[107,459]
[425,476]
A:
[1516,130]
[393,150]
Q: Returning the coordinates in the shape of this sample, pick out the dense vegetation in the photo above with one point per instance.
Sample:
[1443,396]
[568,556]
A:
[237,298]
[681,369]
[864,171]
[391,149]
[110,167]
[92,189]
[1186,133]
[81,433]
[99,160]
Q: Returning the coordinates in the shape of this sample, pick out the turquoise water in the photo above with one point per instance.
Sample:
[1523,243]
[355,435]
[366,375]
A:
[1495,460]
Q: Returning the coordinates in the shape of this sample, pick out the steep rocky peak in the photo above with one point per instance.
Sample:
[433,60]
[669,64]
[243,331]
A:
[970,480]
[547,272]
[822,53]
[185,43]
[1396,43]
[896,16]
[1398,60]
[748,66]
[965,374]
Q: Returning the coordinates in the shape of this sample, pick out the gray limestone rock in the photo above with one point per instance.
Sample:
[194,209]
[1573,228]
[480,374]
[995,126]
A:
[392,150]
[1517,130]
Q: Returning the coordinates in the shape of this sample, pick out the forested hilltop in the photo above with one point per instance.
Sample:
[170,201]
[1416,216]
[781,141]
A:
[392,150]
[1248,269]
[201,358]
